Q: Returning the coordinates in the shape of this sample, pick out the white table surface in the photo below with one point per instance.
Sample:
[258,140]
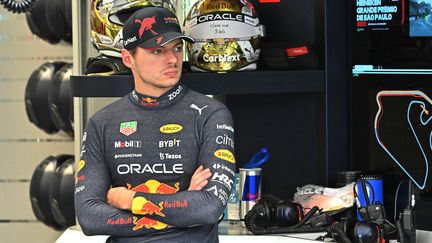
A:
[227,234]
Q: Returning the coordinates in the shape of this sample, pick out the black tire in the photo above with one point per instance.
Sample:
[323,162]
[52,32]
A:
[62,194]
[38,25]
[40,186]
[36,96]
[61,101]
[56,19]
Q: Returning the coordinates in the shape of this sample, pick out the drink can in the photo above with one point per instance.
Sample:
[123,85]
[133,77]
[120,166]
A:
[374,191]
[250,189]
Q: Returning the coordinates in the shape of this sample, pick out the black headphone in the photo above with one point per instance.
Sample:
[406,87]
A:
[358,232]
[277,212]
[271,215]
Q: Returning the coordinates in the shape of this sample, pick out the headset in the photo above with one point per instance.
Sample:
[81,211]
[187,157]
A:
[359,232]
[275,216]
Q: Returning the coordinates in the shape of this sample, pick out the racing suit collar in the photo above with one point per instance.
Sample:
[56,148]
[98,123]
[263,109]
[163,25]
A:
[167,99]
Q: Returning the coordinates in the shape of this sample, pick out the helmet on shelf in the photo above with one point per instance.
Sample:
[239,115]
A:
[227,35]
[105,66]
[107,18]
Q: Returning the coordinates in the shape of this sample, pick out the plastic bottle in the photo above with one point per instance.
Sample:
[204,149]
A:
[233,206]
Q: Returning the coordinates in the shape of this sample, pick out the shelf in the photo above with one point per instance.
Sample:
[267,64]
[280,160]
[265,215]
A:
[254,82]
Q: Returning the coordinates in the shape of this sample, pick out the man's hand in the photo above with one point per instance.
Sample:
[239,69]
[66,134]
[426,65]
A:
[199,179]
[120,197]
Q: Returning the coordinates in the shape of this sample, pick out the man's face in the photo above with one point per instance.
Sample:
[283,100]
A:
[158,69]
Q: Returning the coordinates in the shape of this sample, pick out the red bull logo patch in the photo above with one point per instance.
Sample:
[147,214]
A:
[147,101]
[166,189]
[142,206]
[148,223]
[119,221]
[176,204]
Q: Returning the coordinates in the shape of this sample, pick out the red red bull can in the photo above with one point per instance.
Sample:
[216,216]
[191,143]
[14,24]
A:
[250,189]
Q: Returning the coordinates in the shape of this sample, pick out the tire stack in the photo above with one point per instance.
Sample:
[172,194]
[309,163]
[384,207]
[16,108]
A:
[48,99]
[52,191]
[51,20]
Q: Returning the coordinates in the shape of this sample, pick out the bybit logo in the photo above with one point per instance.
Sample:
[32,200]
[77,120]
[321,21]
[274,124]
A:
[169,143]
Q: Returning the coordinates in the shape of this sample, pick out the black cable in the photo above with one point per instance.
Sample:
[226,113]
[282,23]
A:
[18,6]
[339,229]
[365,192]
[410,195]
[400,232]
[395,199]
[366,196]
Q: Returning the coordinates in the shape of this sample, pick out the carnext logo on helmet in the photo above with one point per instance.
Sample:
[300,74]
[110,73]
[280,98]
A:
[129,40]
[221,58]
[220,16]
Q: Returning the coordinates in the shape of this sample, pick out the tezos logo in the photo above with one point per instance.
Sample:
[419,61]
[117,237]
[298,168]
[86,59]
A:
[170,128]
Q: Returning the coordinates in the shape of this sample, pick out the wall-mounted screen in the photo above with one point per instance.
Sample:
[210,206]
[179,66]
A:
[378,14]
[420,19]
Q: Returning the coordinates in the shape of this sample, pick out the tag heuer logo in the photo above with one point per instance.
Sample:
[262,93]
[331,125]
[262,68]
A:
[127,128]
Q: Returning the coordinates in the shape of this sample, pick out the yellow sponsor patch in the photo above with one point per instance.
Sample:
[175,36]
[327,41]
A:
[225,155]
[171,128]
[81,165]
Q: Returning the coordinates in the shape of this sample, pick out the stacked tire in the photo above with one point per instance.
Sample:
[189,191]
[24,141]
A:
[48,98]
[52,191]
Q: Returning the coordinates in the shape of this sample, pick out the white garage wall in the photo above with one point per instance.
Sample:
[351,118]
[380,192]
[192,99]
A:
[22,145]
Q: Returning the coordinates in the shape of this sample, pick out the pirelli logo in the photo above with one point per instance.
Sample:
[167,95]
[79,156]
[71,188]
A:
[171,128]
[225,155]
